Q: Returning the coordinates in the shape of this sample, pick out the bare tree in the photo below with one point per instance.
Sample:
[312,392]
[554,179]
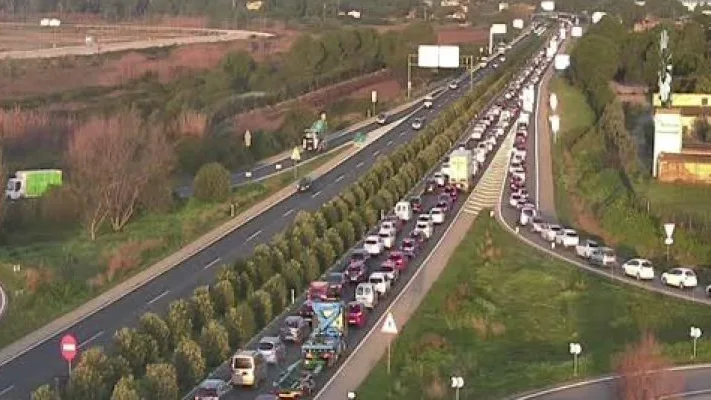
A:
[115,163]
[644,373]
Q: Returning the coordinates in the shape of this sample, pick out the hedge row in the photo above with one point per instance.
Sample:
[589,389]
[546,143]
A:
[172,355]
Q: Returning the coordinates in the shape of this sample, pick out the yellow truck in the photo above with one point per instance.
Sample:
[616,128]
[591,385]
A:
[460,169]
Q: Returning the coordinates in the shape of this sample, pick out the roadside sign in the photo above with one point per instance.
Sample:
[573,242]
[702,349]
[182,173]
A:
[296,154]
[389,325]
[359,138]
[68,347]
[669,229]
[248,139]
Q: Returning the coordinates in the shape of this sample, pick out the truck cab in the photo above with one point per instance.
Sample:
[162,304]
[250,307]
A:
[429,101]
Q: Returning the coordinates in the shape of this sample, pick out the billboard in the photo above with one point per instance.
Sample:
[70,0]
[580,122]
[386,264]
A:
[54,22]
[562,33]
[498,29]
[517,23]
[562,62]
[548,5]
[503,6]
[597,16]
[428,56]
[431,56]
[577,31]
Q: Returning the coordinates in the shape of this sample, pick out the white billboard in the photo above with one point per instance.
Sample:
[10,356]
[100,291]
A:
[555,123]
[448,56]
[548,5]
[563,32]
[597,16]
[577,31]
[517,23]
[54,22]
[431,56]
[44,22]
[428,56]
[498,29]
[562,62]
[503,6]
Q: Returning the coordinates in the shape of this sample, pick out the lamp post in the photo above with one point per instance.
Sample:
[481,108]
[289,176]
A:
[695,334]
[457,384]
[575,350]
[669,239]
[410,64]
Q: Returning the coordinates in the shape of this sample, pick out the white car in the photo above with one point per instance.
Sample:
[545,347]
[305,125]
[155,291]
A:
[603,257]
[537,224]
[515,166]
[519,173]
[519,153]
[373,245]
[490,142]
[639,268]
[417,124]
[424,228]
[453,85]
[439,178]
[388,226]
[569,238]
[514,199]
[680,277]
[387,238]
[381,283]
[527,214]
[272,349]
[551,232]
[365,293]
[586,248]
[437,215]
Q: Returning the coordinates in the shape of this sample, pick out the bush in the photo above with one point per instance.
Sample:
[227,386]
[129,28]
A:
[189,363]
[212,183]
[214,341]
[60,206]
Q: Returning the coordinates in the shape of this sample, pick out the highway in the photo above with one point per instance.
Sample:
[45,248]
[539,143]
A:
[41,364]
[357,334]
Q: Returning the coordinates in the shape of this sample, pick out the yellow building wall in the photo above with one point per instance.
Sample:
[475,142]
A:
[694,172]
[680,100]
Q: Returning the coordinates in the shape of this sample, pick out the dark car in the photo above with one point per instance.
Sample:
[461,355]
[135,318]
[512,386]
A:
[357,272]
[304,184]
[452,191]
[444,205]
[416,204]
[431,186]
[410,247]
[399,259]
[336,281]
[358,256]
[418,237]
[306,311]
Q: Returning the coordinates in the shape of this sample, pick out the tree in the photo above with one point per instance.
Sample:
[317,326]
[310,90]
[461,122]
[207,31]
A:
[126,389]
[240,325]
[43,392]
[643,372]
[203,309]
[261,303]
[238,65]
[117,164]
[189,363]
[214,341]
[152,325]
[180,321]
[212,183]
[223,296]
[89,379]
[137,348]
[161,381]
[294,275]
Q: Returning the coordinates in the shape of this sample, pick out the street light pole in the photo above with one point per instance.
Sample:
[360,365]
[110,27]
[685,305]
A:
[669,239]
[695,334]
[575,350]
[457,384]
[409,74]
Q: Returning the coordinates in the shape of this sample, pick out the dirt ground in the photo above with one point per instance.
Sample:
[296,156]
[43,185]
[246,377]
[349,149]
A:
[450,35]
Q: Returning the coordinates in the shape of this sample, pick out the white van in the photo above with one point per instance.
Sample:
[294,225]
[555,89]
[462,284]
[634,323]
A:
[424,228]
[380,283]
[387,237]
[403,210]
[248,368]
[527,215]
[365,293]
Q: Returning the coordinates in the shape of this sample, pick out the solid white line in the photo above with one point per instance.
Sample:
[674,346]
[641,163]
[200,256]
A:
[315,194]
[6,390]
[91,339]
[3,301]
[254,235]
[685,394]
[403,133]
[536,134]
[360,164]
[212,263]
[160,296]
[340,178]
[291,210]
[375,153]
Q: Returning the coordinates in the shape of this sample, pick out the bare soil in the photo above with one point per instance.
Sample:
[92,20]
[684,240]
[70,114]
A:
[450,35]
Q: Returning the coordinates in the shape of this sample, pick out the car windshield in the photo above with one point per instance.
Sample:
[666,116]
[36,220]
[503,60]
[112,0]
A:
[354,308]
[646,264]
[571,234]
[395,257]
[265,346]
[376,280]
[358,256]
[292,323]
[387,267]
[415,200]
[360,291]
[371,241]
[354,268]
[382,235]
[334,277]
[241,362]
[422,225]
[408,244]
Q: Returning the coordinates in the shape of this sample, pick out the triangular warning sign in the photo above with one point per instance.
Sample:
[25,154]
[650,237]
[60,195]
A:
[389,326]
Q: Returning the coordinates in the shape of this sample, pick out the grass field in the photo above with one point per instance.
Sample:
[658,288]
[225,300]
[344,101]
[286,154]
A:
[113,256]
[502,315]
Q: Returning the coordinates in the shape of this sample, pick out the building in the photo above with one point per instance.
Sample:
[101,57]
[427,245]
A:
[646,24]
[254,5]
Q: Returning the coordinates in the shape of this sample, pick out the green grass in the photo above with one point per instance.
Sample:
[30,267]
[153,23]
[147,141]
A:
[83,264]
[501,315]
[677,200]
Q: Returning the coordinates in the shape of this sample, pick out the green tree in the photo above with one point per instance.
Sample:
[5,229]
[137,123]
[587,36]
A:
[240,325]
[294,275]
[223,296]
[326,255]
[189,363]
[347,233]
[261,303]
[180,321]
[137,348]
[214,341]
[126,389]
[276,287]
[306,57]
[203,309]
[239,66]
[43,392]
[89,379]
[152,325]
[212,183]
[334,239]
[311,266]
[161,381]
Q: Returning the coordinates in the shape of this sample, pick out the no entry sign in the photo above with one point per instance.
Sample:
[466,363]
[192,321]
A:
[68,347]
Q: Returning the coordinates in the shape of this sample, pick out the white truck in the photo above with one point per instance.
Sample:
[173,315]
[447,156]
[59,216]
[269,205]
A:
[523,120]
[460,169]
[429,101]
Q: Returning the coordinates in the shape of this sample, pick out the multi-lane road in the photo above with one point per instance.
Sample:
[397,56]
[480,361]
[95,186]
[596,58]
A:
[41,364]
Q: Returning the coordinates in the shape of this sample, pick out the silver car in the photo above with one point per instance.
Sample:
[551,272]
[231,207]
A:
[272,349]
[603,257]
[295,329]
[212,389]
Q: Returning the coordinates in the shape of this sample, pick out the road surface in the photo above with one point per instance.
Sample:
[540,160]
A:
[42,363]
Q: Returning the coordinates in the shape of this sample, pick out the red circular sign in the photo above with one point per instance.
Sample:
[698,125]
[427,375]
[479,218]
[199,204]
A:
[68,347]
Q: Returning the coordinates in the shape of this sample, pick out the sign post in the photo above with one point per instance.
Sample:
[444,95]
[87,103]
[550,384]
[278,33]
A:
[296,157]
[247,139]
[359,139]
[68,348]
[695,334]
[669,240]
[390,328]
[575,350]
[374,99]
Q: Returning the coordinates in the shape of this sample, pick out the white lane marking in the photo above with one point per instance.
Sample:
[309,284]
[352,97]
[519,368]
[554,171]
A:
[390,142]
[212,263]
[160,296]
[360,164]
[91,339]
[316,194]
[6,390]
[375,154]
[340,178]
[692,393]
[254,235]
[403,133]
[291,210]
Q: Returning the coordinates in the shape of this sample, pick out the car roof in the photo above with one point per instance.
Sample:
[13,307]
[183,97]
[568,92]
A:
[211,383]
[293,318]
[269,339]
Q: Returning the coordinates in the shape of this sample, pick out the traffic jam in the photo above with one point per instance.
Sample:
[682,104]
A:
[287,362]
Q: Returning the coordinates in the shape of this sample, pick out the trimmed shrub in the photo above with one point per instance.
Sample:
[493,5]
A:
[212,183]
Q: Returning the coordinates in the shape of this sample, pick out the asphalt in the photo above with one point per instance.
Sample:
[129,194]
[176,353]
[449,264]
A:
[43,364]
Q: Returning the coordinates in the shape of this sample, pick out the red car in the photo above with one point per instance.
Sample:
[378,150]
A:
[357,272]
[416,204]
[410,247]
[399,259]
[356,314]
[444,205]
[318,290]
[516,183]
